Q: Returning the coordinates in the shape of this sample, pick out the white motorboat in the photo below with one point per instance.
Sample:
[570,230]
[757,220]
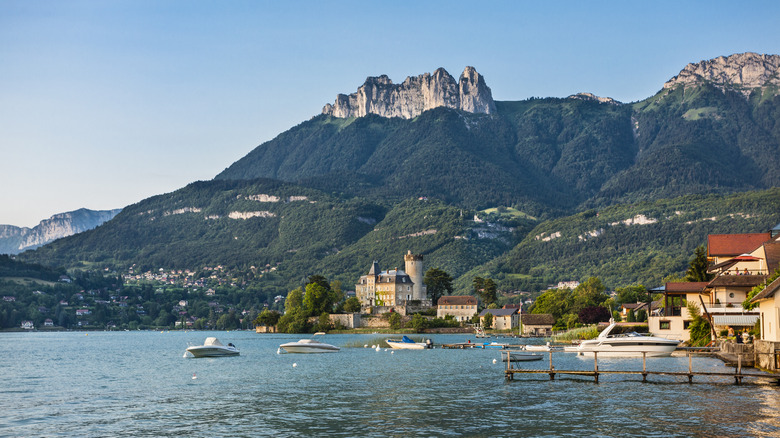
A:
[213,348]
[309,346]
[407,344]
[626,344]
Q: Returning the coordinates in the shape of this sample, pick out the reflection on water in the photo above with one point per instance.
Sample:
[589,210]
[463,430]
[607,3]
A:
[138,384]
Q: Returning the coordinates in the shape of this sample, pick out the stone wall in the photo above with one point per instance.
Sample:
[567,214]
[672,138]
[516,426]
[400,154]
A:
[766,354]
[265,329]
[348,320]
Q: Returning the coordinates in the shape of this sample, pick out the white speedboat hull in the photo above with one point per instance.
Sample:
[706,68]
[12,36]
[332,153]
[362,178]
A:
[213,348]
[400,345]
[206,351]
[627,345]
[307,346]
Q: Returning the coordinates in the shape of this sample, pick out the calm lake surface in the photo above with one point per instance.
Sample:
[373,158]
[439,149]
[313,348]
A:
[139,384]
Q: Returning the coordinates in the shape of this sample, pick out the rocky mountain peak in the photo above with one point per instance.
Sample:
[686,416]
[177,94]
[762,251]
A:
[593,97]
[378,95]
[741,72]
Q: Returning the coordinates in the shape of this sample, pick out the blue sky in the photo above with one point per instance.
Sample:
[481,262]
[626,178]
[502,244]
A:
[105,103]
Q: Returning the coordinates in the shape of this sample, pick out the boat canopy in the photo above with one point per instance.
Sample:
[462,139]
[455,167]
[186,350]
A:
[212,341]
[407,340]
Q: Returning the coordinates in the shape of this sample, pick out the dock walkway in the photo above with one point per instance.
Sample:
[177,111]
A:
[738,375]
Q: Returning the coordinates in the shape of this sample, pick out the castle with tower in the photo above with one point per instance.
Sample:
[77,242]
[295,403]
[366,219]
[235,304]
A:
[380,291]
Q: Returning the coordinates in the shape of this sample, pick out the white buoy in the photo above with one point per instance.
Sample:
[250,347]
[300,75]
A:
[194,376]
[392,352]
[365,346]
[295,365]
[494,361]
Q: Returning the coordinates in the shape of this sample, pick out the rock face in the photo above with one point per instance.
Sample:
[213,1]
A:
[594,98]
[741,72]
[14,240]
[378,95]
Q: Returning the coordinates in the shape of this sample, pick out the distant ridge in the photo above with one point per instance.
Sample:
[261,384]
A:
[14,240]
[742,72]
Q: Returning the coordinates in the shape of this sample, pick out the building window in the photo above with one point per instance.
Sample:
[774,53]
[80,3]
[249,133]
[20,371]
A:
[686,324]
[665,325]
[731,295]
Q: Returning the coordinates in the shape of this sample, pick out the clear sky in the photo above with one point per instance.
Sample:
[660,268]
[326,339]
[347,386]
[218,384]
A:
[104,103]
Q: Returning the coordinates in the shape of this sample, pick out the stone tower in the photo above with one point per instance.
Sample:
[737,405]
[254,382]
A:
[414,269]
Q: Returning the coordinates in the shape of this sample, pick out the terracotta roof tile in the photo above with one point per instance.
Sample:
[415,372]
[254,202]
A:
[734,244]
[690,286]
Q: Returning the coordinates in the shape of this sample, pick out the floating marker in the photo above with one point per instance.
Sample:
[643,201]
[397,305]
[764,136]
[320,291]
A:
[295,365]
[494,361]
[194,376]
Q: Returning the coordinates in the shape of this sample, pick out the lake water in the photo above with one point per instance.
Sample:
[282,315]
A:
[139,384]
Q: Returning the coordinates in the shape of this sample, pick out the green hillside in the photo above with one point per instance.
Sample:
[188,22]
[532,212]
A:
[547,157]
[630,244]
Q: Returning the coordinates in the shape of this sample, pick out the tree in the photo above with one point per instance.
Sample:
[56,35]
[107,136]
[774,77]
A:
[556,302]
[699,327]
[395,321]
[477,284]
[268,318]
[352,305]
[592,315]
[631,317]
[641,315]
[419,322]
[489,293]
[631,294]
[697,268]
[589,293]
[438,283]
[488,320]
[317,300]
[294,300]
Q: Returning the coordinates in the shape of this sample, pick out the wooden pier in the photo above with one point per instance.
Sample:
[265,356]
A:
[738,375]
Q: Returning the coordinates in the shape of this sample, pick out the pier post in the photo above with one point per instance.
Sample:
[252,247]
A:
[552,368]
[596,366]
[738,376]
[690,367]
[644,367]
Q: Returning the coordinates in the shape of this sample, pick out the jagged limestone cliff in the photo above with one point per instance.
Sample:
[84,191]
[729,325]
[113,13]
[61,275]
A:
[378,95]
[740,72]
[14,240]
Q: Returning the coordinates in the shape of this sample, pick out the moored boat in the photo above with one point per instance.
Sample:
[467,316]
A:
[213,348]
[309,346]
[407,344]
[627,344]
[521,357]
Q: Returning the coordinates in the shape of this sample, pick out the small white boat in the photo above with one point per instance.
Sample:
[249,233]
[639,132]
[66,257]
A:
[213,348]
[407,344]
[546,347]
[627,345]
[309,346]
[522,357]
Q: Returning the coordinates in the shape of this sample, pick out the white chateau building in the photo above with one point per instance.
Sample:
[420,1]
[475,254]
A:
[393,287]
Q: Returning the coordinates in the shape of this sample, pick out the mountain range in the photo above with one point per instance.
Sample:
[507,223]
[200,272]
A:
[394,167]
[14,240]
